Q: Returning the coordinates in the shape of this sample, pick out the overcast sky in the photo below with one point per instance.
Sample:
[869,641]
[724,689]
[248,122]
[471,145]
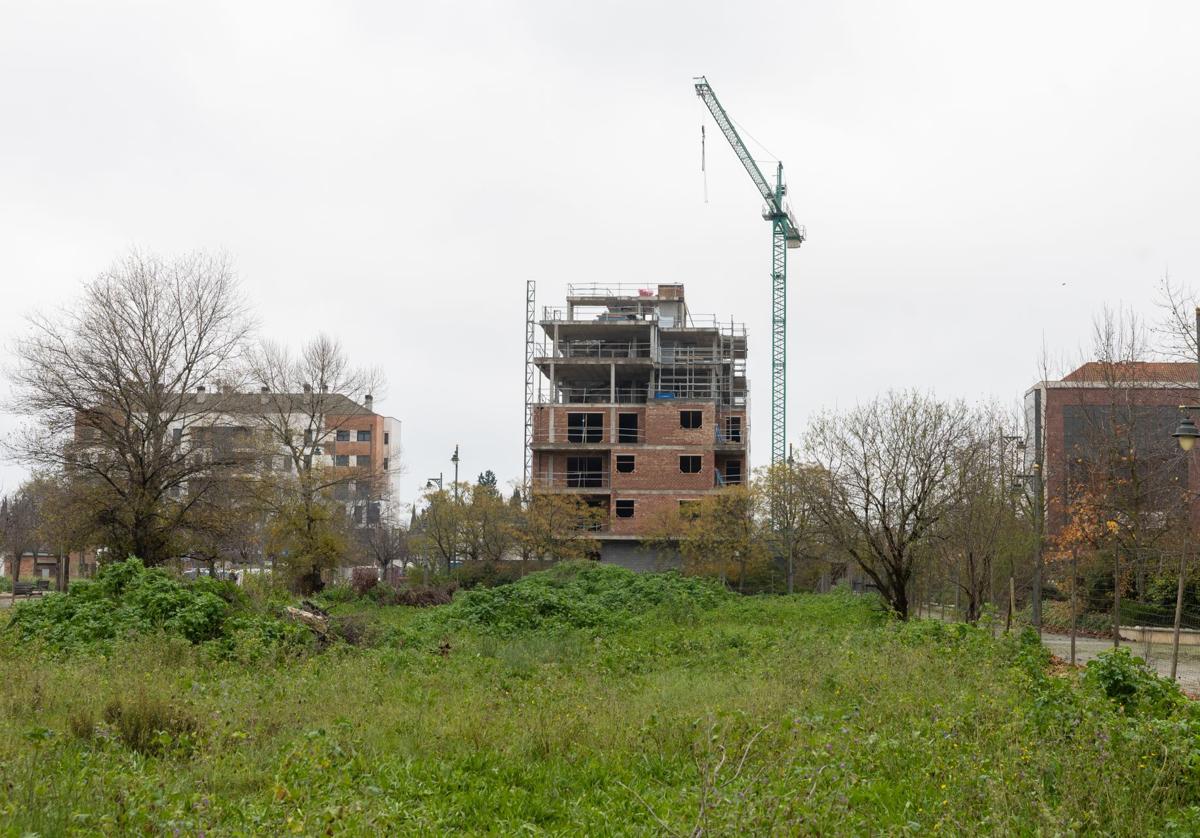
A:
[972,176]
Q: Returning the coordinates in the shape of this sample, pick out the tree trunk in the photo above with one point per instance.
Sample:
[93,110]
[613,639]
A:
[64,574]
[1074,606]
[1116,616]
[1178,613]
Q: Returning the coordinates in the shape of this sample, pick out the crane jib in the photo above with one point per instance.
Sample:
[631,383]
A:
[785,234]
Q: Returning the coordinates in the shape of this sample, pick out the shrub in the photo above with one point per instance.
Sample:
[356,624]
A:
[363,579]
[338,594]
[150,724]
[127,599]
[82,724]
[1128,681]
[477,574]
[580,595]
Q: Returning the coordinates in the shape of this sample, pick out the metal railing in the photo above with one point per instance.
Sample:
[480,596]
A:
[581,479]
[597,394]
[588,436]
[603,349]
[611,289]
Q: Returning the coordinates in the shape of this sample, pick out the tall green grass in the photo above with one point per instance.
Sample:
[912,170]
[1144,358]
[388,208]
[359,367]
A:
[638,705]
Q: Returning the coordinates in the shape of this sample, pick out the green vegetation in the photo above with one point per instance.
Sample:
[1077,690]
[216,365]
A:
[126,599]
[586,700]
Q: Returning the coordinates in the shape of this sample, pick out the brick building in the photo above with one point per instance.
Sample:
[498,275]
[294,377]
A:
[1129,409]
[642,408]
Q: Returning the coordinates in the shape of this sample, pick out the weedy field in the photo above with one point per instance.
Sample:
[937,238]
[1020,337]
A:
[583,700]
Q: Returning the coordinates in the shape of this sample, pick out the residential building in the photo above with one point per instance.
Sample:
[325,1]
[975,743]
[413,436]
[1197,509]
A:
[1124,412]
[642,408]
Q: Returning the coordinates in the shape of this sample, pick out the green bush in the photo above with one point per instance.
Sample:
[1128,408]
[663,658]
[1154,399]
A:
[125,599]
[575,595]
[1127,680]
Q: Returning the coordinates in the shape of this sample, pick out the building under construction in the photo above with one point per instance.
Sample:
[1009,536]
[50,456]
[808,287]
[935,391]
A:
[640,407]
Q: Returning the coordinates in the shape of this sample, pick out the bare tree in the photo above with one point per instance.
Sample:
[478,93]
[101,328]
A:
[984,523]
[19,528]
[108,387]
[1175,331]
[304,401]
[888,481]
[385,541]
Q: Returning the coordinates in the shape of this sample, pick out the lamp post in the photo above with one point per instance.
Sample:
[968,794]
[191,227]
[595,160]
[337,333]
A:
[454,460]
[429,484]
[1186,434]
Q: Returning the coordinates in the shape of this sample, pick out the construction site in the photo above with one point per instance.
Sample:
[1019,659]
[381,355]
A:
[640,406]
[637,405]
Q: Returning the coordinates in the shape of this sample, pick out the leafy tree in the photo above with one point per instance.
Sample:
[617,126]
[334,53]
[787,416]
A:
[556,527]
[727,538]
[787,492]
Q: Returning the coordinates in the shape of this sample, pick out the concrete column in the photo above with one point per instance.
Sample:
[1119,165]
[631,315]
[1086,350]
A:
[612,400]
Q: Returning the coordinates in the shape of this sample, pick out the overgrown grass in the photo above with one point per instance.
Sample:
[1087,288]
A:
[635,705]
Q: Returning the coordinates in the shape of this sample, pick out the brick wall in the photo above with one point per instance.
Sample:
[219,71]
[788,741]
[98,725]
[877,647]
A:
[1062,412]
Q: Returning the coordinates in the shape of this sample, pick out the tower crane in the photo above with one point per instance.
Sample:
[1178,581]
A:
[785,234]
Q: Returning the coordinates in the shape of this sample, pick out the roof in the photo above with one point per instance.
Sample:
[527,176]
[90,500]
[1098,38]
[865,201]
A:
[258,403]
[1167,372]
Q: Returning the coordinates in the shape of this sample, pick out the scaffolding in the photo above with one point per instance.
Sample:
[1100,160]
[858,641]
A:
[530,375]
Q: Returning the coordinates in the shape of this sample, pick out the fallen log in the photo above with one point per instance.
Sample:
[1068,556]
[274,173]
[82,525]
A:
[317,622]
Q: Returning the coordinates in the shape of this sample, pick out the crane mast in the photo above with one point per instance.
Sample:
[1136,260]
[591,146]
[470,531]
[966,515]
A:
[785,233]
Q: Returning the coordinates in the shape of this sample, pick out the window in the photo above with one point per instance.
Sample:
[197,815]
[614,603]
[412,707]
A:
[387,438]
[358,514]
[343,436]
[177,435]
[625,463]
[385,463]
[585,427]
[363,460]
[624,509]
[689,464]
[341,459]
[364,436]
[733,428]
[308,436]
[362,488]
[373,513]
[341,491]
[690,419]
[627,427]
[585,472]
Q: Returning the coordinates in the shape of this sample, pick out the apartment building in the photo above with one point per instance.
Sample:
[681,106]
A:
[340,435]
[642,407]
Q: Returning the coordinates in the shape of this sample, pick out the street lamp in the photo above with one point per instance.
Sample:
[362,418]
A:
[429,484]
[1186,433]
[454,460]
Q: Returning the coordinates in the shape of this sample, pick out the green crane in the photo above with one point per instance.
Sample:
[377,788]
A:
[785,233]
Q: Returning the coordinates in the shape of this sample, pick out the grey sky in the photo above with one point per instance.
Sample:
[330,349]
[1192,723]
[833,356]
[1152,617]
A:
[971,175]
